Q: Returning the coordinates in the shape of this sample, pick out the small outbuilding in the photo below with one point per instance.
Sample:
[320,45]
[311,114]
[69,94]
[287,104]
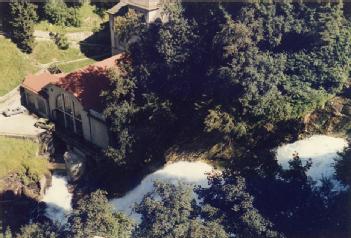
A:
[151,10]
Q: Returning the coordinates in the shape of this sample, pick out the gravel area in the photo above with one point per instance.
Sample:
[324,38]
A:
[21,125]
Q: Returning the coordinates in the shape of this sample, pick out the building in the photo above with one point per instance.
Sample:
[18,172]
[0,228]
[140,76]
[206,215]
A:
[72,100]
[150,9]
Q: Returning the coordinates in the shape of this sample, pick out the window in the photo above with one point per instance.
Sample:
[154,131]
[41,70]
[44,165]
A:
[68,105]
[67,114]
[59,102]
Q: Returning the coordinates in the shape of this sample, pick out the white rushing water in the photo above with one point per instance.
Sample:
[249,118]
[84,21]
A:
[193,173]
[321,149]
[58,200]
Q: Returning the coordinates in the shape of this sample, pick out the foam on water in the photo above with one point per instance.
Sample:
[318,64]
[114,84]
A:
[321,149]
[192,173]
[58,200]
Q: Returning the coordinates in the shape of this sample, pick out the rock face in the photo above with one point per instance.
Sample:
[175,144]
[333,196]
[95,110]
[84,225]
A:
[75,163]
[46,140]
[35,191]
[334,118]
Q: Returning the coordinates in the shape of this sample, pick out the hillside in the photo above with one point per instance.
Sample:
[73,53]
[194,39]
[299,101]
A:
[14,65]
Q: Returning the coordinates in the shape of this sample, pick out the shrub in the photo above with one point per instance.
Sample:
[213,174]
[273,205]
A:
[54,69]
[58,13]
[60,40]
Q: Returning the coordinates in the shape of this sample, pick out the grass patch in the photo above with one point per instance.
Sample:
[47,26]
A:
[14,66]
[46,52]
[90,22]
[69,67]
[20,156]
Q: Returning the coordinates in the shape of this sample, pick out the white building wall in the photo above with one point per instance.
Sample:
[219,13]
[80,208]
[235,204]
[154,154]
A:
[94,130]
[99,133]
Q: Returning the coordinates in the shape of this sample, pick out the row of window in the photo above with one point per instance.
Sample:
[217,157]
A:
[67,114]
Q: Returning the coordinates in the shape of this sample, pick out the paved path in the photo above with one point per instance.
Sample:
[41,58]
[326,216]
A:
[71,36]
[21,125]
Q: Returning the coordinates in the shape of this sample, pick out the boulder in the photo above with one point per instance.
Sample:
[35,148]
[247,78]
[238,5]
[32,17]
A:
[75,163]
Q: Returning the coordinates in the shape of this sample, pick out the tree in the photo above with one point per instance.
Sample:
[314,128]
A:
[7,233]
[171,211]
[57,12]
[94,216]
[343,166]
[128,28]
[233,205]
[37,230]
[22,18]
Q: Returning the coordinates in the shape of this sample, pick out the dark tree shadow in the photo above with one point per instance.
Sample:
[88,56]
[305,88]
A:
[15,210]
[98,44]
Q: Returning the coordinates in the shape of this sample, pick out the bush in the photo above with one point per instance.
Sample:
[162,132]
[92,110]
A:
[58,13]
[54,69]
[60,40]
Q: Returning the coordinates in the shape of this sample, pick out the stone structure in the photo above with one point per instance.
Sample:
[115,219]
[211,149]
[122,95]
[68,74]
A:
[72,100]
[150,9]
[75,163]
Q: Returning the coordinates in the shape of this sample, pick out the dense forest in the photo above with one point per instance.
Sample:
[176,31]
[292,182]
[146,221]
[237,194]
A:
[238,75]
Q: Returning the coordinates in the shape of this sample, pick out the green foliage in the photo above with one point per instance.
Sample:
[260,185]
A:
[60,40]
[58,13]
[224,73]
[234,71]
[14,66]
[54,69]
[37,230]
[24,159]
[343,167]
[316,210]
[234,206]
[85,13]
[128,27]
[7,234]
[170,211]
[47,52]
[278,81]
[135,122]
[72,66]
[94,216]
[21,21]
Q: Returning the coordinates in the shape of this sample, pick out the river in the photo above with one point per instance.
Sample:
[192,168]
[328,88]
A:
[321,149]
[58,200]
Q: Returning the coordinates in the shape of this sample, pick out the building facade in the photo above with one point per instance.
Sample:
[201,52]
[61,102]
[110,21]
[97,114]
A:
[72,100]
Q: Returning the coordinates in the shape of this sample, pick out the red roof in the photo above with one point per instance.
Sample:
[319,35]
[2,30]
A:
[85,84]
[37,82]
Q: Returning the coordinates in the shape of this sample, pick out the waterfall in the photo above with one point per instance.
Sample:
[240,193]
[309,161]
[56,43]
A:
[321,149]
[58,200]
[192,173]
